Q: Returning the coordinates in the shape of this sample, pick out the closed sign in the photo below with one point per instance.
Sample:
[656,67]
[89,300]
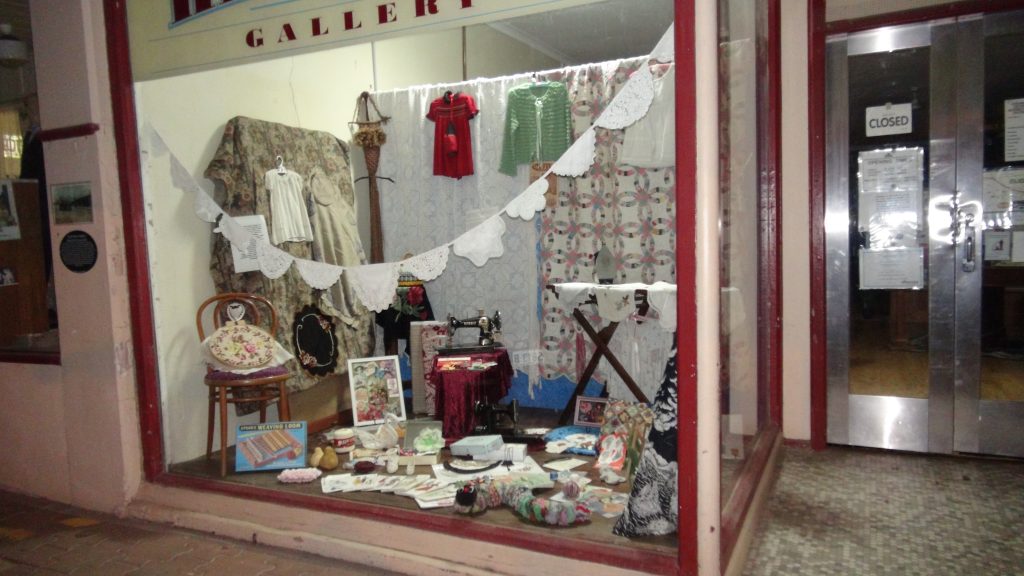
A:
[889,119]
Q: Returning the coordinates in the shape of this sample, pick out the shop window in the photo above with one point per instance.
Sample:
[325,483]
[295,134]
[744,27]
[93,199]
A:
[209,171]
[748,141]
[29,330]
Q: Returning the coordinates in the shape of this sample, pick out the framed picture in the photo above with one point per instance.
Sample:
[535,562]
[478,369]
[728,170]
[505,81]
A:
[376,385]
[589,411]
[72,203]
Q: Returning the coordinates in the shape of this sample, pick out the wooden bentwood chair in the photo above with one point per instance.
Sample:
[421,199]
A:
[263,387]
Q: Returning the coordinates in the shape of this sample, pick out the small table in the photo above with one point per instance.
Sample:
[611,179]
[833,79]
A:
[459,390]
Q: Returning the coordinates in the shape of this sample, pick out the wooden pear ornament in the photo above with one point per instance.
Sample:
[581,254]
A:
[329,460]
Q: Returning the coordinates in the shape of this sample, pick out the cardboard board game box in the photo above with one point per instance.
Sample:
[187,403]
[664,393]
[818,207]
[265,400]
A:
[476,445]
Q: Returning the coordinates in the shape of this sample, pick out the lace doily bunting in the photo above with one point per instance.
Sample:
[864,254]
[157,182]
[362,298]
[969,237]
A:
[319,275]
[274,262]
[665,51]
[428,265]
[530,201]
[579,157]
[483,242]
[206,209]
[631,103]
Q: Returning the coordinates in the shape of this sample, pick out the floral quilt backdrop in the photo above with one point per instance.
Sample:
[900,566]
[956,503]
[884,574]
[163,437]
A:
[632,211]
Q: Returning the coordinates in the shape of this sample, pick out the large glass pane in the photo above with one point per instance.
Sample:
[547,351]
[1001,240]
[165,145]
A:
[1002,309]
[888,120]
[741,106]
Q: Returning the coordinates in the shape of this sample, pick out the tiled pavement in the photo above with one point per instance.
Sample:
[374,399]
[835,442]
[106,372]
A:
[44,538]
[865,512]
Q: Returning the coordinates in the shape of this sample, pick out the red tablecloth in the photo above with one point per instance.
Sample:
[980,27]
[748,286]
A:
[459,390]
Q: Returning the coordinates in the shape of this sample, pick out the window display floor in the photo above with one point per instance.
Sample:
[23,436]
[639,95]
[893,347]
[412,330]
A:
[598,531]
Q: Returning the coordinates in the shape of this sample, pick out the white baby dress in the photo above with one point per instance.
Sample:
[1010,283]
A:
[288,215]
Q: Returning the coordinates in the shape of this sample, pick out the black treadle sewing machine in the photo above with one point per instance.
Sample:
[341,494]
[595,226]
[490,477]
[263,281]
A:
[488,327]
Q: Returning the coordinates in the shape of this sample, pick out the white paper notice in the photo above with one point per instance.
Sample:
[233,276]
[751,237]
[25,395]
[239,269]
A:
[1013,122]
[892,269]
[890,182]
[246,261]
[1017,247]
[997,245]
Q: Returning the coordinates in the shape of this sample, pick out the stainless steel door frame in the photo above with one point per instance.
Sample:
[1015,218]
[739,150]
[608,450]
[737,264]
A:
[954,417]
[913,424]
[941,248]
[970,95]
[837,239]
[982,426]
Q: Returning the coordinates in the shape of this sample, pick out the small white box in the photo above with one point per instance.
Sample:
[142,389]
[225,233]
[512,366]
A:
[514,452]
[476,445]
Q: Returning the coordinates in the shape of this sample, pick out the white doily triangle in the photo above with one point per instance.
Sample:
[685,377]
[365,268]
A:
[579,157]
[530,201]
[631,103]
[483,242]
[319,275]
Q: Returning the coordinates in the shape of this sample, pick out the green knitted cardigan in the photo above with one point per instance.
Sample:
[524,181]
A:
[523,139]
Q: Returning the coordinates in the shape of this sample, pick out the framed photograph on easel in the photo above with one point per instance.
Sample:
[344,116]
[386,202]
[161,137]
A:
[376,385]
[589,411]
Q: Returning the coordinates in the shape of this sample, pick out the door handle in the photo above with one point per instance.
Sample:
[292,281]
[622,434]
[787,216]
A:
[968,261]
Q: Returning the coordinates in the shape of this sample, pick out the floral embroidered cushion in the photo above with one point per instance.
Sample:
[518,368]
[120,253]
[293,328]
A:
[241,345]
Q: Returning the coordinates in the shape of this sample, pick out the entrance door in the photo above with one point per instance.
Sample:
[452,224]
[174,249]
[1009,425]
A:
[925,236]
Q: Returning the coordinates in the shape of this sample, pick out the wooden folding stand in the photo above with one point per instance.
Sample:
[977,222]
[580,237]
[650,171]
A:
[601,340]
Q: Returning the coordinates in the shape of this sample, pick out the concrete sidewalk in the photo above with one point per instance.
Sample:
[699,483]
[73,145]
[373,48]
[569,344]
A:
[42,537]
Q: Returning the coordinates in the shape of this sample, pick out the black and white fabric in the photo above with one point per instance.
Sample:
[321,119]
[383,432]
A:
[653,507]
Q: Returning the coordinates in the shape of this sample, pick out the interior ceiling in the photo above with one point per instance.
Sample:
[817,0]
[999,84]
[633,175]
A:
[15,13]
[594,32]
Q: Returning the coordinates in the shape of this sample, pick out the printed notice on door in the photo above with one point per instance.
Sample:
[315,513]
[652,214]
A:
[1013,120]
[899,269]
[890,183]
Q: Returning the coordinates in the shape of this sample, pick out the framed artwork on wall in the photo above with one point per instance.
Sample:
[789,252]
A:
[376,385]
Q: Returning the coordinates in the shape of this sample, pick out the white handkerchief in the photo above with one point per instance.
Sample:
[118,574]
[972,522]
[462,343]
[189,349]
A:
[572,293]
[662,297]
[615,303]
[375,284]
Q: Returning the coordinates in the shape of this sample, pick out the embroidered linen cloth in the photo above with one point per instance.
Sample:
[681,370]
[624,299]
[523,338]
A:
[615,302]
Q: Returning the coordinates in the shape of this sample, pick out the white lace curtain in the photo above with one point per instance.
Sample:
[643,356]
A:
[420,210]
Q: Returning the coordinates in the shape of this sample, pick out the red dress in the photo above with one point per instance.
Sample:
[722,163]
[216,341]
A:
[453,146]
